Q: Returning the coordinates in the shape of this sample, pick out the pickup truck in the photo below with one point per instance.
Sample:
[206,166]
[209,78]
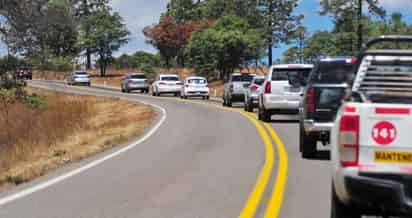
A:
[235,88]
[371,141]
[322,98]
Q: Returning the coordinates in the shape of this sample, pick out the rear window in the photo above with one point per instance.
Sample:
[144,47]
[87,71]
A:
[138,76]
[197,81]
[242,78]
[259,81]
[292,75]
[386,79]
[332,72]
[170,78]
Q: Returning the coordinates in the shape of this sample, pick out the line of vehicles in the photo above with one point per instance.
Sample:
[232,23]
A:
[360,108]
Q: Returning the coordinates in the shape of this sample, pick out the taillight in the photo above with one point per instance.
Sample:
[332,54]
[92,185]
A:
[268,87]
[310,100]
[349,140]
[254,88]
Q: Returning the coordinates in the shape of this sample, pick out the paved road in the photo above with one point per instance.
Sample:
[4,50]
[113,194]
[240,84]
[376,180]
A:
[202,162]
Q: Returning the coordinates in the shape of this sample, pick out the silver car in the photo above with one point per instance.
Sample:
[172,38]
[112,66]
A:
[135,81]
[252,93]
[234,88]
[78,78]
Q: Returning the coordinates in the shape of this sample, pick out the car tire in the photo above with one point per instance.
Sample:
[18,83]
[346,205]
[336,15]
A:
[249,107]
[245,106]
[339,210]
[308,146]
[229,103]
[264,115]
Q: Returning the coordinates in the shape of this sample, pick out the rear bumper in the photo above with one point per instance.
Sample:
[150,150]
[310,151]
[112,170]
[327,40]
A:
[273,102]
[237,97]
[311,126]
[137,87]
[387,193]
[166,89]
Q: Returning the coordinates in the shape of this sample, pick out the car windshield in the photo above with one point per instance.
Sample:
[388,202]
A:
[242,78]
[332,72]
[170,78]
[197,81]
[292,75]
[138,76]
[259,81]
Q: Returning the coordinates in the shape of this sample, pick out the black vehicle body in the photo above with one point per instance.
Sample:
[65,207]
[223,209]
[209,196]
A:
[323,95]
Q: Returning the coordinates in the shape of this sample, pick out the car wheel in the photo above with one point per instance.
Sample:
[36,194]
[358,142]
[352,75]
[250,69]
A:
[339,210]
[229,103]
[264,115]
[308,146]
[250,107]
[245,106]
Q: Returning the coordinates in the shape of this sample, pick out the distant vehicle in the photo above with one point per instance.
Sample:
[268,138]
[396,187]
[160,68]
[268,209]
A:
[252,93]
[195,87]
[371,139]
[167,84]
[24,73]
[78,78]
[234,89]
[135,81]
[323,96]
[282,90]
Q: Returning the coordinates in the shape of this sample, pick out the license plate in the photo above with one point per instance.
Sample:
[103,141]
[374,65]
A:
[393,157]
[294,89]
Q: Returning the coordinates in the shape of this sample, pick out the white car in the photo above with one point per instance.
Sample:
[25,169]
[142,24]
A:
[78,78]
[282,91]
[371,139]
[195,87]
[167,84]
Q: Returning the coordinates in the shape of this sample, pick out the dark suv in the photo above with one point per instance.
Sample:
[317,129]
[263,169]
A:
[323,96]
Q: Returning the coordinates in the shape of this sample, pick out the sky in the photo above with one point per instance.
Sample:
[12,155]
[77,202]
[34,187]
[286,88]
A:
[140,13]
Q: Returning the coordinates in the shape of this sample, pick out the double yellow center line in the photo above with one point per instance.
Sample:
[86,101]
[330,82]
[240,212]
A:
[268,134]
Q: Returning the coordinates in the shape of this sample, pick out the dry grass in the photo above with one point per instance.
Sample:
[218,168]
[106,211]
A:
[69,129]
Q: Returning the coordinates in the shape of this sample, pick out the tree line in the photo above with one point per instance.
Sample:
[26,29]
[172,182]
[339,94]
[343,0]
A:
[218,36]
[48,32]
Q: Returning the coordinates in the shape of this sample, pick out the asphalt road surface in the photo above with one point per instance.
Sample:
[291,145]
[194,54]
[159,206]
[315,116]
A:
[203,161]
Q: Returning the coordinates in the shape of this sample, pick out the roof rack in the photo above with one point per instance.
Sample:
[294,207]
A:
[388,38]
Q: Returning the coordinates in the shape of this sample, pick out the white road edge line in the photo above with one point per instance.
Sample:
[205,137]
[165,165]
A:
[68,175]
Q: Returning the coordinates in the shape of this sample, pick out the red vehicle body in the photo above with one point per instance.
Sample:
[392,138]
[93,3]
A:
[24,73]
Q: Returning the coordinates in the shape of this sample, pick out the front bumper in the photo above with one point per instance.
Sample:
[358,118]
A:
[386,193]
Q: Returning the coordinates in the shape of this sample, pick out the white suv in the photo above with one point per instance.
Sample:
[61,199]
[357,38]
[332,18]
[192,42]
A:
[282,91]
[371,140]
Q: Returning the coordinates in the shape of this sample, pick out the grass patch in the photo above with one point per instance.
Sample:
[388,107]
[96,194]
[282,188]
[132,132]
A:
[68,129]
